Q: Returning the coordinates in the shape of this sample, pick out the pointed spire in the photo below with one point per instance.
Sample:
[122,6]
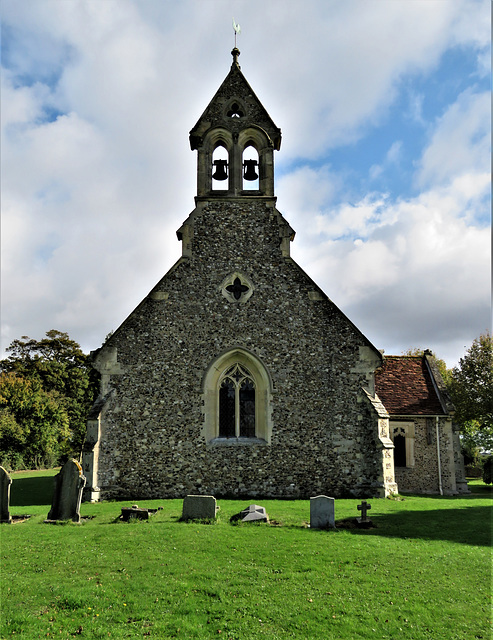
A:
[235,53]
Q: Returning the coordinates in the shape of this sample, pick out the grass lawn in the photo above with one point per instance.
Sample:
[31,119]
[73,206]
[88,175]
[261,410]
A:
[423,572]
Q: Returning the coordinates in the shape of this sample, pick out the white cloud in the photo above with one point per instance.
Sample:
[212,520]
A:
[91,198]
[460,142]
[418,270]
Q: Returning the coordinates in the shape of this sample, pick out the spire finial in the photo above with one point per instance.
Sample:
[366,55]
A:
[235,53]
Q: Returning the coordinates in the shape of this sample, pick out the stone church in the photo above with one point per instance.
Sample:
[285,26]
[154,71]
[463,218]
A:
[237,376]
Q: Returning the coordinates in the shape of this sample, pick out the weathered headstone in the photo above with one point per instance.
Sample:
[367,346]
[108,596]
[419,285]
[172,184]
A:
[5,482]
[322,515]
[253,513]
[364,521]
[69,483]
[199,508]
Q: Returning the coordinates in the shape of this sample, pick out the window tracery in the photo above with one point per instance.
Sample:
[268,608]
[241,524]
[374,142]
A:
[237,403]
[235,111]
[237,288]
[237,391]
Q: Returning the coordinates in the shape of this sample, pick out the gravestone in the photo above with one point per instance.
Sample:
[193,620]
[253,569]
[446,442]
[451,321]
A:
[199,508]
[364,521]
[253,513]
[69,483]
[5,482]
[322,514]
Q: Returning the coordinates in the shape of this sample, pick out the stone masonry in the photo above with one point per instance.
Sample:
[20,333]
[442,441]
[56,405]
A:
[153,432]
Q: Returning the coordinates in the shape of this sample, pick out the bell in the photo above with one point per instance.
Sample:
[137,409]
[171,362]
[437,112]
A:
[220,171]
[249,172]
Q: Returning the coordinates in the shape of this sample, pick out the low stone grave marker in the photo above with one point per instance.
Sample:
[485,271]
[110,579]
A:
[252,513]
[69,483]
[322,512]
[138,513]
[199,508]
[364,521]
[5,482]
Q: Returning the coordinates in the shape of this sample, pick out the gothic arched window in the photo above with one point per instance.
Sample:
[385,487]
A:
[237,403]
[251,168]
[220,165]
[237,390]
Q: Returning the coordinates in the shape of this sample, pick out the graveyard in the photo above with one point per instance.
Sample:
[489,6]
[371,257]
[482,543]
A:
[421,571]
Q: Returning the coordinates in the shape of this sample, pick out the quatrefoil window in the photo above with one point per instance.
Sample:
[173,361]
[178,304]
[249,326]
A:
[237,288]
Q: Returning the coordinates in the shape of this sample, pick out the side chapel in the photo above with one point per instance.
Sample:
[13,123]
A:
[237,376]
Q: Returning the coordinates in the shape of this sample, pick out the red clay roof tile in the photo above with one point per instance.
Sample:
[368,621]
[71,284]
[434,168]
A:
[405,387]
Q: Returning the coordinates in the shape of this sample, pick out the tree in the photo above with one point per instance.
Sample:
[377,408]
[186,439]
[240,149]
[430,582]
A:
[34,424]
[441,364]
[471,389]
[12,438]
[57,366]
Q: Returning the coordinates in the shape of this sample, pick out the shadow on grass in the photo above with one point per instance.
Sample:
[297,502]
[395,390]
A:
[31,491]
[467,525]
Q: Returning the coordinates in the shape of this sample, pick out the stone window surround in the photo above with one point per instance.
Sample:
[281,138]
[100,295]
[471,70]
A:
[210,395]
[229,280]
[407,429]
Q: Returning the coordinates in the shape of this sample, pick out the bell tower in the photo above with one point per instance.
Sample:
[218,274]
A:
[235,139]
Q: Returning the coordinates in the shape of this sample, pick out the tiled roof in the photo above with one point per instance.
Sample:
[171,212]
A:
[405,386]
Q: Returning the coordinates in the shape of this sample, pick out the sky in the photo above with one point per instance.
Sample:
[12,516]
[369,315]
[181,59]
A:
[383,171]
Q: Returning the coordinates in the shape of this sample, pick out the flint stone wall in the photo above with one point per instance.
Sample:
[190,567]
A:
[151,439]
[423,477]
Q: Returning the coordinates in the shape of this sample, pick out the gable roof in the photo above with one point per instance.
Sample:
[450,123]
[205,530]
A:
[235,86]
[406,386]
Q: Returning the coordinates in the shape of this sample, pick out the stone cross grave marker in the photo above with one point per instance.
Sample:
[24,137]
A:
[67,496]
[199,508]
[322,512]
[5,482]
[364,507]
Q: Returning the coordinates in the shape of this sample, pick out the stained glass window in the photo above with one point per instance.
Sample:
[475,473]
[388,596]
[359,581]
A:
[237,403]
[227,409]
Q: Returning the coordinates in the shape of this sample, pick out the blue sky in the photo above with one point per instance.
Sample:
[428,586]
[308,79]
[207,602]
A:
[383,170]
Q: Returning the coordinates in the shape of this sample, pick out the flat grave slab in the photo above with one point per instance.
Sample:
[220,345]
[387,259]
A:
[137,513]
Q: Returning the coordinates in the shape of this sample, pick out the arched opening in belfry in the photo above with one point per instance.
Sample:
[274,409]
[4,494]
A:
[250,164]
[220,168]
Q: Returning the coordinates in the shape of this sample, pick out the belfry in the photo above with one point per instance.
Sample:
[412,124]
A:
[235,122]
[236,375]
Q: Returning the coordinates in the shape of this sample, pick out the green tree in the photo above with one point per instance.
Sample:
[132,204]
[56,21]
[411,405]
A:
[441,364]
[57,365]
[471,389]
[12,438]
[34,425]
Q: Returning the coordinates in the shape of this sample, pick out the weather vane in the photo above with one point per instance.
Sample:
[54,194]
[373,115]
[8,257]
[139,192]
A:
[237,30]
